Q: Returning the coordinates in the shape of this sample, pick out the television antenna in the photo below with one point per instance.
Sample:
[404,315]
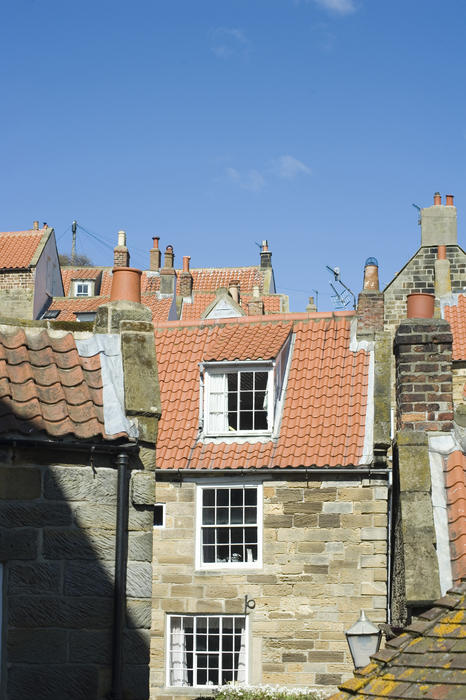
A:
[342,295]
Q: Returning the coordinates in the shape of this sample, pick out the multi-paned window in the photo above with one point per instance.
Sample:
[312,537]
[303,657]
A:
[206,650]
[239,401]
[83,289]
[229,532]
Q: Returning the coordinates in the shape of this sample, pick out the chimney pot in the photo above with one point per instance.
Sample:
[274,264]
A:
[233,288]
[168,257]
[122,238]
[442,252]
[186,259]
[126,284]
[155,242]
[449,200]
[35,225]
[44,225]
[420,305]
[437,199]
[371,274]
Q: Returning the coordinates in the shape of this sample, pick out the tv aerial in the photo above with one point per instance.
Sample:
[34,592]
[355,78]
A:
[342,297]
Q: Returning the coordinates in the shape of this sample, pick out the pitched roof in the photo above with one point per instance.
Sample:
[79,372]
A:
[70,306]
[455,486]
[455,314]
[428,660]
[209,279]
[47,386]
[324,414]
[273,304]
[87,273]
[19,248]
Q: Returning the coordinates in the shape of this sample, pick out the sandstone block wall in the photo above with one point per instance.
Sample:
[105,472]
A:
[17,294]
[324,559]
[57,545]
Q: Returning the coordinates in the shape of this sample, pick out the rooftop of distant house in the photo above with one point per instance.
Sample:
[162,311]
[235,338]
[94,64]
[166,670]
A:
[20,250]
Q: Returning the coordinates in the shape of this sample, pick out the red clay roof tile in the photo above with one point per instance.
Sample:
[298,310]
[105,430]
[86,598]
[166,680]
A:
[46,386]
[324,414]
[456,317]
[455,484]
[17,248]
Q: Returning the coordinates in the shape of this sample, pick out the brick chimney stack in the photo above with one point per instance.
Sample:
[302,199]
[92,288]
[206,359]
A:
[155,254]
[423,353]
[167,273]
[266,255]
[186,278]
[438,222]
[370,311]
[312,306]
[255,305]
[121,252]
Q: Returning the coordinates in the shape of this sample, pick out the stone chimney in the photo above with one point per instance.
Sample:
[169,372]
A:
[121,252]
[312,306]
[255,305]
[234,290]
[423,355]
[438,222]
[266,255]
[442,273]
[186,278]
[167,273]
[35,225]
[155,254]
[370,311]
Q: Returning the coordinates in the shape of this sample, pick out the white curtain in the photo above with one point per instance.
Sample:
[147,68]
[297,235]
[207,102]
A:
[216,403]
[178,663]
[242,661]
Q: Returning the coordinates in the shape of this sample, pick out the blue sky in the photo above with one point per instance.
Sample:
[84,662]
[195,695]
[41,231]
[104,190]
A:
[218,123]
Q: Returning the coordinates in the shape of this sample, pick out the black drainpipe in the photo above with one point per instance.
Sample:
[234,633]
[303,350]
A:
[121,556]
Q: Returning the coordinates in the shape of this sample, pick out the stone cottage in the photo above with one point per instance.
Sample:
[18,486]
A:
[79,408]
[271,499]
[29,272]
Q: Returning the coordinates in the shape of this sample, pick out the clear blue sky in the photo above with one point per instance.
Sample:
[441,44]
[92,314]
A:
[217,123]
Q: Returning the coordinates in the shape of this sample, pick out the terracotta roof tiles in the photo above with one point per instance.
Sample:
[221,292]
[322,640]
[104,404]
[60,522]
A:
[455,314]
[428,660]
[455,485]
[18,248]
[323,422]
[46,386]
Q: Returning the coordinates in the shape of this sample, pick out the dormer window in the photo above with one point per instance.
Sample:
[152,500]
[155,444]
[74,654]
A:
[243,398]
[83,288]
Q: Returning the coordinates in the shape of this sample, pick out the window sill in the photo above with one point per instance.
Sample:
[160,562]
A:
[229,568]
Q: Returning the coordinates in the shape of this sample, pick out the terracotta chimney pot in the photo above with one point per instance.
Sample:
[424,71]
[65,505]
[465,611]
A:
[442,252]
[437,199]
[233,288]
[420,305]
[449,200]
[126,284]
[186,259]
[155,242]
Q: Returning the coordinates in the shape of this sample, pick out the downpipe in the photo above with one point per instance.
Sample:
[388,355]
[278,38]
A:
[121,557]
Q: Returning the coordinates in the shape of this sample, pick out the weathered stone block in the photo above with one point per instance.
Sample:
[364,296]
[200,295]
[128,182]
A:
[34,514]
[78,544]
[81,484]
[37,646]
[60,682]
[21,543]
[143,488]
[138,613]
[139,580]
[34,578]
[51,611]
[85,578]
[18,483]
[140,546]
[92,647]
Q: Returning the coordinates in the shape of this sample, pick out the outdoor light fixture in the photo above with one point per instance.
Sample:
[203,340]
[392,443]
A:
[363,640]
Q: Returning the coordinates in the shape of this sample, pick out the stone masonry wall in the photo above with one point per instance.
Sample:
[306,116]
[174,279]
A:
[418,276]
[324,559]
[57,545]
[17,294]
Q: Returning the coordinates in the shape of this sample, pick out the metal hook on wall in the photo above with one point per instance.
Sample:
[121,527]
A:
[249,604]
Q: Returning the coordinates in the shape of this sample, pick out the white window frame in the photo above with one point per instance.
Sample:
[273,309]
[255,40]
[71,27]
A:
[88,284]
[244,662]
[235,565]
[216,392]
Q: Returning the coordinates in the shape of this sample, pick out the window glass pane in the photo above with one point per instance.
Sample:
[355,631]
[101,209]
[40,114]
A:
[236,515]
[236,496]
[261,422]
[246,380]
[245,421]
[237,535]
[246,401]
[250,496]
[208,554]
[261,380]
[222,516]
[223,554]
[208,497]
[208,516]
[250,534]
[259,401]
[208,535]
[223,497]
[232,379]
[250,514]
[158,514]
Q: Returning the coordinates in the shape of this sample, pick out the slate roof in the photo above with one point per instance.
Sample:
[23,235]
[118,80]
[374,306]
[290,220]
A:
[428,660]
[455,486]
[324,416]
[455,314]
[18,249]
[47,387]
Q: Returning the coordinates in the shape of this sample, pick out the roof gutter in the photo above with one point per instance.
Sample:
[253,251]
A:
[74,445]
[266,472]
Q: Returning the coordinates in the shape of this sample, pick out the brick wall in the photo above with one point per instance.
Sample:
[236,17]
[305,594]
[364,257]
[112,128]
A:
[370,312]
[423,350]
[324,559]
[57,542]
